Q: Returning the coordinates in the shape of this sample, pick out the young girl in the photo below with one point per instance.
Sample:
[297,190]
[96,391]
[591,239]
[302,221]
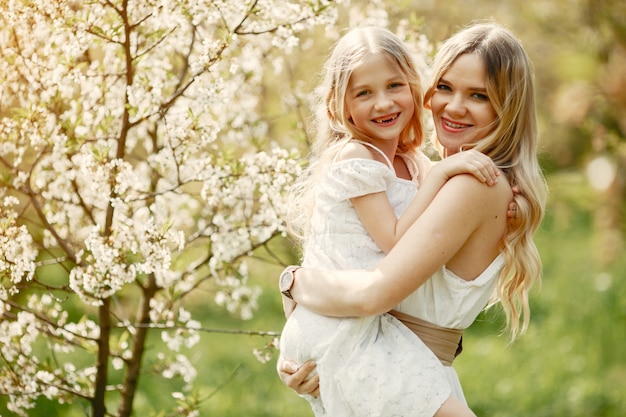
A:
[461,251]
[364,177]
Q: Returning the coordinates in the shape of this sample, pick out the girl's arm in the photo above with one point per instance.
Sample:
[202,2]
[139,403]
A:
[462,206]
[377,215]
[297,377]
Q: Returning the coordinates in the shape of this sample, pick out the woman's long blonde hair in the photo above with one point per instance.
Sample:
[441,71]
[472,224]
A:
[332,124]
[512,145]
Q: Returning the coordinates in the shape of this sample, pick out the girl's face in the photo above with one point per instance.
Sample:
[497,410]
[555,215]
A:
[379,100]
[462,112]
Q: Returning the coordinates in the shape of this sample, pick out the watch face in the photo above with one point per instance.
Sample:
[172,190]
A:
[285,280]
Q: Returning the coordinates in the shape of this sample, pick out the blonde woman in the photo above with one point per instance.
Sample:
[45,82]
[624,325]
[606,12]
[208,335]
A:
[461,253]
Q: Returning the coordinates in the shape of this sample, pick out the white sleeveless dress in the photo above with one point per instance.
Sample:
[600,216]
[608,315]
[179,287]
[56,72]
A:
[449,301]
[370,366]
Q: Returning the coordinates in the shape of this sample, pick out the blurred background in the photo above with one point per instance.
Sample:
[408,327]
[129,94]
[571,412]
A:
[572,361]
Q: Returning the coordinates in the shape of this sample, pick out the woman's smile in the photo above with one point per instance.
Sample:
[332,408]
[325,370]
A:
[453,126]
[461,108]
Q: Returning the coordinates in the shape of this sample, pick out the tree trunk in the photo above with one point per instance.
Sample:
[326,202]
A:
[97,403]
[131,378]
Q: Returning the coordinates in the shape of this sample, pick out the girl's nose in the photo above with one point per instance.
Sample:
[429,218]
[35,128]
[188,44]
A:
[383,101]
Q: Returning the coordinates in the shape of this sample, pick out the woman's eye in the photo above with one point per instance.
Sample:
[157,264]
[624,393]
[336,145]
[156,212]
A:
[443,87]
[480,96]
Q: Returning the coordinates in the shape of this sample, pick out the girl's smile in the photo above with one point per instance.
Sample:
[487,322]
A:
[387,120]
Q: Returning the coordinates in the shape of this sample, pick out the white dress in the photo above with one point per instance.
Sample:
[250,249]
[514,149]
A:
[370,366]
[449,301]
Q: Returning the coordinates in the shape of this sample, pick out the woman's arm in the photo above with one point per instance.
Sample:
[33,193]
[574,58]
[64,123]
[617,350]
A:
[459,210]
[377,215]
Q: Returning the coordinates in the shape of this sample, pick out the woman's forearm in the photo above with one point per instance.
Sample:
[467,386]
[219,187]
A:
[338,293]
[357,293]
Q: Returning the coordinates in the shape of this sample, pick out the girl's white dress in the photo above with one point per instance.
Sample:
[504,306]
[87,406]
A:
[449,301]
[370,366]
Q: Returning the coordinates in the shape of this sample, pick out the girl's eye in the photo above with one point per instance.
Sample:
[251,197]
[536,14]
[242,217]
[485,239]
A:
[362,93]
[396,85]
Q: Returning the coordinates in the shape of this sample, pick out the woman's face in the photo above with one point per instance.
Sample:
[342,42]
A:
[461,109]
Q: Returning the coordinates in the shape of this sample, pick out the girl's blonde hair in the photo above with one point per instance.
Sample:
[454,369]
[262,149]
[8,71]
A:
[512,145]
[332,123]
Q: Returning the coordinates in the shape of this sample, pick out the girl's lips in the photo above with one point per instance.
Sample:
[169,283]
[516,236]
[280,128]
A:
[386,119]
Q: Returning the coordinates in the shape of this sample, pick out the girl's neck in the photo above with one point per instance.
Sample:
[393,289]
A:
[401,169]
[389,148]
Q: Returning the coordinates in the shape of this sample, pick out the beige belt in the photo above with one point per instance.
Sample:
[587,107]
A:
[445,343]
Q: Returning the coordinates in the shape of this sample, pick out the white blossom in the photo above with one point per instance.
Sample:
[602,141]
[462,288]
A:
[137,166]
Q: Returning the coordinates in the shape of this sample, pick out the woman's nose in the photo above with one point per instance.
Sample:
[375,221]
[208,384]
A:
[456,105]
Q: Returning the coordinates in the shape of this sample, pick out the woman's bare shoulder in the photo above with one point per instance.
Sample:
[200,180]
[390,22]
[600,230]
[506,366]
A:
[481,209]
[470,192]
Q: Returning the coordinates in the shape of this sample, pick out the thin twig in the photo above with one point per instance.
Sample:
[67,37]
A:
[201,329]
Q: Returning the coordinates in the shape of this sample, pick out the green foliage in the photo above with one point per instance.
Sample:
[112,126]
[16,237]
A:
[572,362]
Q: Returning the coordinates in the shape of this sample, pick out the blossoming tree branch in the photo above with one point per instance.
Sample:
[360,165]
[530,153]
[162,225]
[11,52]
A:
[135,166]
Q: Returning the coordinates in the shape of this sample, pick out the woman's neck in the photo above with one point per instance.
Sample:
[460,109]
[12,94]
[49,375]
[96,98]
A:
[449,152]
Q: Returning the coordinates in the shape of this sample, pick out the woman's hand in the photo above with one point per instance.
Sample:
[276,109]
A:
[288,306]
[297,378]
[511,212]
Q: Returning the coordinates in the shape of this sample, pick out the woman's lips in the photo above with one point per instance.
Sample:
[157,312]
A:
[453,126]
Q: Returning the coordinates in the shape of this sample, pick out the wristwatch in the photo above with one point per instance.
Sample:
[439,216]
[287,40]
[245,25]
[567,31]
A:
[287,278]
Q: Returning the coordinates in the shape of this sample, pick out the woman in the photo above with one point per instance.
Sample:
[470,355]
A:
[461,253]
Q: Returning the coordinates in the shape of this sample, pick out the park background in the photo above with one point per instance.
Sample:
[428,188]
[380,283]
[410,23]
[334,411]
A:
[572,361]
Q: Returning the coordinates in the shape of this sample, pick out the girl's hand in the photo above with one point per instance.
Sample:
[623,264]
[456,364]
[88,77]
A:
[299,378]
[470,162]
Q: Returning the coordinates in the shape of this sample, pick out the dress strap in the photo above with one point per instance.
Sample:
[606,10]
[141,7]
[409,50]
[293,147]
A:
[445,343]
[389,164]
